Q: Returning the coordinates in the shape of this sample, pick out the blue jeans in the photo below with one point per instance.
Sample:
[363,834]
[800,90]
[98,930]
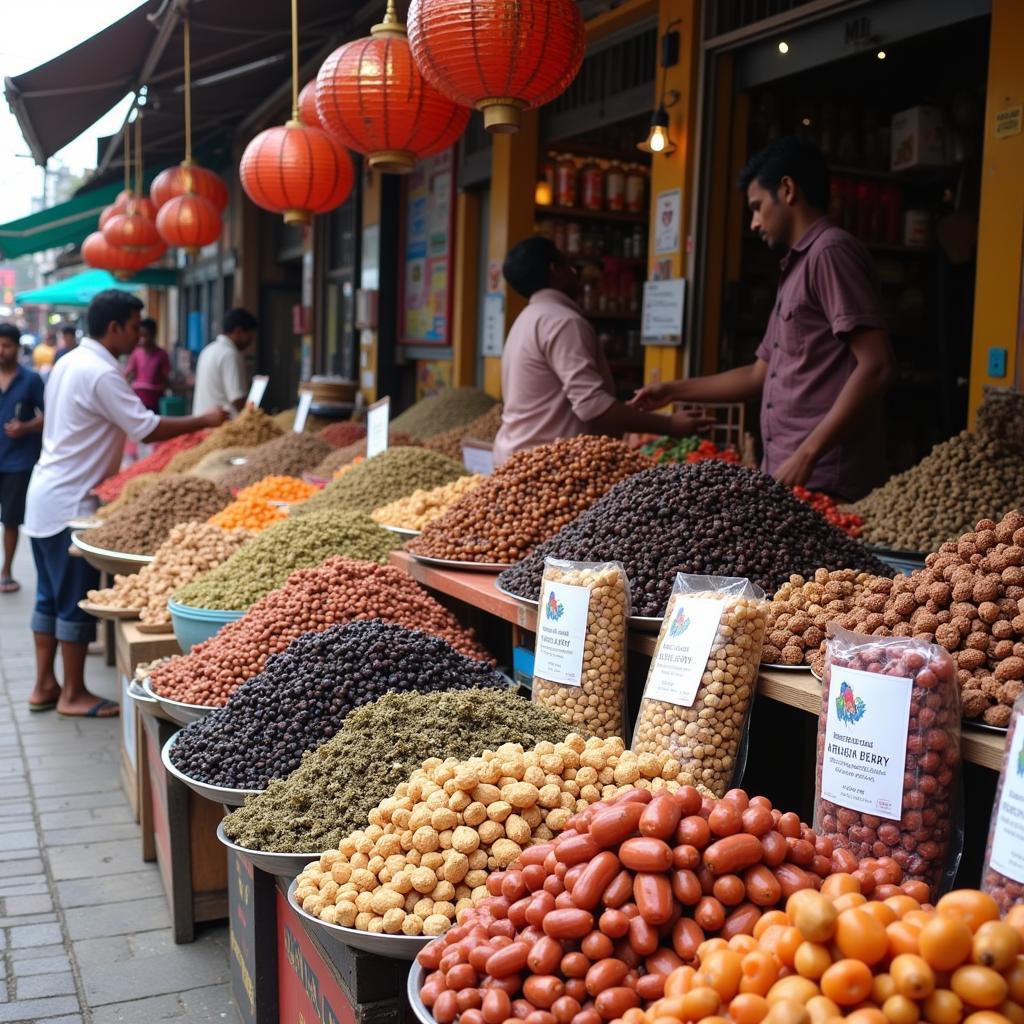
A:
[62,580]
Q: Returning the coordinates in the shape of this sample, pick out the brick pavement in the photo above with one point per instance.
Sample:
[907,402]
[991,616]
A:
[84,936]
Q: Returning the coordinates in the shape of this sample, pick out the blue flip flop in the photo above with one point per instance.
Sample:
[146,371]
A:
[94,711]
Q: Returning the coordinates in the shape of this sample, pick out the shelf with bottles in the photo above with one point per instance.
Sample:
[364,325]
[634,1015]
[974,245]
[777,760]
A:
[585,214]
[584,241]
[572,185]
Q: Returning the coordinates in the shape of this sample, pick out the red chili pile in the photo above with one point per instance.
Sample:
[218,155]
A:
[582,929]
[342,433]
[112,487]
[846,521]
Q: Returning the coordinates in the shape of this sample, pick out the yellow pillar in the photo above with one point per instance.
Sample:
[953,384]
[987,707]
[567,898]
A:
[675,170]
[513,177]
[466,300]
[997,297]
[368,337]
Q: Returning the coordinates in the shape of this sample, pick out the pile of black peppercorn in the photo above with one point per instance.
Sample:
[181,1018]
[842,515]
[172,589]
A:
[303,694]
[707,518]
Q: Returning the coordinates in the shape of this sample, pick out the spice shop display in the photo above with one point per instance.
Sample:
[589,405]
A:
[483,428]
[296,543]
[378,747]
[288,489]
[528,499]
[289,455]
[429,849]
[133,489]
[342,434]
[357,449]
[436,414]
[888,770]
[338,590]
[248,514]
[218,464]
[801,609]
[143,525]
[580,659]
[703,674]
[302,695]
[249,428]
[710,518]
[414,511]
[605,915]
[155,462]
[393,474]
[190,550]
[1003,873]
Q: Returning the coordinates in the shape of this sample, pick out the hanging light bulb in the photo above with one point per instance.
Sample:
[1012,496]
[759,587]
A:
[658,139]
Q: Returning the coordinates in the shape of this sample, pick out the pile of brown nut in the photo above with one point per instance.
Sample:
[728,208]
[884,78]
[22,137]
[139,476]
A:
[802,608]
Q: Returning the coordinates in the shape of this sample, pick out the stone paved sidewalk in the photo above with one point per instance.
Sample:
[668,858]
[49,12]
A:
[84,936]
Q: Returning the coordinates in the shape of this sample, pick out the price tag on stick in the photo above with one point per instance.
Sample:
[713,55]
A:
[257,390]
[377,418]
[478,456]
[302,413]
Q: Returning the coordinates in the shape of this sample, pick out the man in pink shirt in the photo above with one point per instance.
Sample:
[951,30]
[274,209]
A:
[148,369]
[555,380]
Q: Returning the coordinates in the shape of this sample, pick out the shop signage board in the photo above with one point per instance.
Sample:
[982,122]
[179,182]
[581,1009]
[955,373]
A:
[666,223]
[493,340]
[478,456]
[664,304]
[257,390]
[377,417]
[302,413]
[427,292]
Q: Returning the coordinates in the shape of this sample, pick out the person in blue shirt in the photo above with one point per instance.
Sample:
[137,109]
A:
[21,414]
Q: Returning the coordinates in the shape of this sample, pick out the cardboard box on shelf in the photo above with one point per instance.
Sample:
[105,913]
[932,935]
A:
[918,138]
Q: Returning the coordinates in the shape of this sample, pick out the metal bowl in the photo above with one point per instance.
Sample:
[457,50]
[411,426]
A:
[218,794]
[183,714]
[412,990]
[402,531]
[287,865]
[113,562]
[398,947]
[457,566]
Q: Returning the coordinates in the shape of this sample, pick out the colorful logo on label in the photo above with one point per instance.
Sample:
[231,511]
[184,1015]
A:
[849,707]
[680,622]
[554,609]
[1020,763]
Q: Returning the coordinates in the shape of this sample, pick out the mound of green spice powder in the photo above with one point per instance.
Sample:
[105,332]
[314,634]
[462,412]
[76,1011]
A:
[379,746]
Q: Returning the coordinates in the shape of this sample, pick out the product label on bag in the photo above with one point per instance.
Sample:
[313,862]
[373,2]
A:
[866,741]
[1007,855]
[561,633]
[684,646]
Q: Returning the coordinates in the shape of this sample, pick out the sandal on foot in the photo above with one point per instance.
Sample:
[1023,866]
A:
[96,711]
[9,585]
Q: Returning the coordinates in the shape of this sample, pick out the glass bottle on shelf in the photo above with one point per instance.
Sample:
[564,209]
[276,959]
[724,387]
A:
[635,188]
[615,188]
[592,186]
[573,238]
[566,181]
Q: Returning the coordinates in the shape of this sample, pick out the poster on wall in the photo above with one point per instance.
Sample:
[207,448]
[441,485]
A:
[426,306]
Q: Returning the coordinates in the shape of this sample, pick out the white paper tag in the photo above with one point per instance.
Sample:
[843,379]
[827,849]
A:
[866,741]
[688,632]
[257,389]
[128,737]
[302,412]
[377,418]
[1008,837]
[478,457]
[561,633]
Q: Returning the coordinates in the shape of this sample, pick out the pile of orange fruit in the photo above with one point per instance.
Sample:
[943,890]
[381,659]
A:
[248,514]
[832,955]
[289,489]
[349,465]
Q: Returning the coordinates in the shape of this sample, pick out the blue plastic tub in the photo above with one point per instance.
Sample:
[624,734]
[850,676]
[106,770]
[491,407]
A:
[194,625]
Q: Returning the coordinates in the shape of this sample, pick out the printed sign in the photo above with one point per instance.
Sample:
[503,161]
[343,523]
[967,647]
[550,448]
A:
[561,632]
[1009,121]
[302,413]
[377,417]
[493,340]
[866,741]
[683,648]
[478,457]
[1008,837]
[666,224]
[257,390]
[664,302]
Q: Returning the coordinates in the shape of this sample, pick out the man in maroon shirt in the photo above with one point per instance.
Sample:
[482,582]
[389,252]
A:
[826,358]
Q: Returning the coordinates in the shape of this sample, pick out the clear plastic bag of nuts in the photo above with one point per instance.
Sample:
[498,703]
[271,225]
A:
[580,658]
[888,780]
[1003,876]
[703,674]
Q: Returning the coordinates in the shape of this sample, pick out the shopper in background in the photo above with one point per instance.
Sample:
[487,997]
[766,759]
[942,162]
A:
[826,358]
[221,377]
[44,354]
[90,410]
[555,380]
[68,341]
[149,368]
[21,413]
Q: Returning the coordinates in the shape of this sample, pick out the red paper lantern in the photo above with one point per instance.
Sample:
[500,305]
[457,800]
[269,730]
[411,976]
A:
[188,222]
[119,205]
[98,252]
[307,105]
[189,177]
[296,170]
[499,56]
[134,229]
[371,95]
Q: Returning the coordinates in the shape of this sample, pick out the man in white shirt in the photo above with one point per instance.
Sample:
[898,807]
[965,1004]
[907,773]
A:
[90,409]
[221,378]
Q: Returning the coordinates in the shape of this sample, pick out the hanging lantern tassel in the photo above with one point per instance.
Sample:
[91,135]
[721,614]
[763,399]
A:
[498,56]
[370,94]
